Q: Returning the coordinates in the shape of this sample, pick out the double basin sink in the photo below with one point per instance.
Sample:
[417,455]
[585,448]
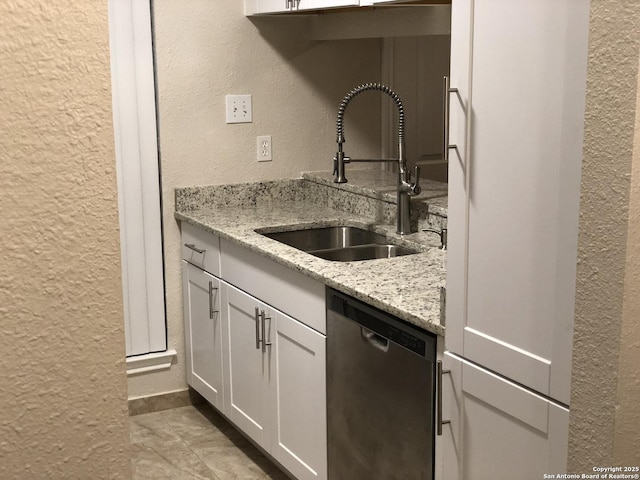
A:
[341,243]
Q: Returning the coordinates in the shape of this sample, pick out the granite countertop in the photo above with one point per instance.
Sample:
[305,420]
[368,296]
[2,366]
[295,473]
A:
[383,185]
[407,287]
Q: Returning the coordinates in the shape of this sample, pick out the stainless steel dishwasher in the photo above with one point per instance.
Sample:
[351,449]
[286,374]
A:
[380,394]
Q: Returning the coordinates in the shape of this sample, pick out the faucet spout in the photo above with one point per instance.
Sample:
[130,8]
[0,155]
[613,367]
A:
[405,187]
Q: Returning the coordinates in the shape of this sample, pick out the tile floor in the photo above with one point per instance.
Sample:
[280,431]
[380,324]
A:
[194,442]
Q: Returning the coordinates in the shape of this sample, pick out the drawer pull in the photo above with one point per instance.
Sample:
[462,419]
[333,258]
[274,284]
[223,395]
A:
[447,101]
[194,248]
[439,399]
[211,290]
[265,343]
[257,319]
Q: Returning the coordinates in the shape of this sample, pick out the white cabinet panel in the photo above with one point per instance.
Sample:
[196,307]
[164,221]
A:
[289,291]
[203,333]
[298,399]
[320,4]
[461,18]
[265,370]
[517,186]
[498,429]
[248,369]
[276,394]
[261,7]
[201,248]
[450,443]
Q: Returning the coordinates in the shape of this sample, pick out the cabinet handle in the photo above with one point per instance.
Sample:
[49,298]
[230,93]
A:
[265,343]
[211,290]
[257,318]
[194,248]
[447,102]
[439,399]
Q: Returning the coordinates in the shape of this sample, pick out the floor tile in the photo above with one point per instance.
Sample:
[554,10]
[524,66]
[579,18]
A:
[195,443]
[231,462]
[170,460]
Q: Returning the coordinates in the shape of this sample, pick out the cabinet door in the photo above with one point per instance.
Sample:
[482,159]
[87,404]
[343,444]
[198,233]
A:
[500,430]
[298,399]
[519,189]
[203,333]
[269,6]
[247,368]
[449,444]
[257,7]
[320,4]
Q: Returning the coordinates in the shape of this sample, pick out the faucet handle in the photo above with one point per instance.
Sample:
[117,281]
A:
[415,187]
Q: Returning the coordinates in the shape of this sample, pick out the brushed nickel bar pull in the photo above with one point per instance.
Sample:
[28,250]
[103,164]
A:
[447,103]
[265,342]
[439,399]
[194,248]
[257,319]
[211,290]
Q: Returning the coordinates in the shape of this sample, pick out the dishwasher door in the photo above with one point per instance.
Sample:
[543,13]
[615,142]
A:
[380,394]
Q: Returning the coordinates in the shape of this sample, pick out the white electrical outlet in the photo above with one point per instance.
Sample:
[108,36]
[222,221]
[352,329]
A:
[238,109]
[263,145]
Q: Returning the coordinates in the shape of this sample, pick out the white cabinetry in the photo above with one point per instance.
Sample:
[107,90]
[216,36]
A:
[516,119]
[201,299]
[299,399]
[263,369]
[520,71]
[247,369]
[275,382]
[498,429]
[260,7]
[203,333]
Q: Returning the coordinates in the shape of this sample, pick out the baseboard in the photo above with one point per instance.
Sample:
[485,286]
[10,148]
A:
[165,401]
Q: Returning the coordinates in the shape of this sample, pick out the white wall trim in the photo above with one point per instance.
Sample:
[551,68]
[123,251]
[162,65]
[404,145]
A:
[134,118]
[150,362]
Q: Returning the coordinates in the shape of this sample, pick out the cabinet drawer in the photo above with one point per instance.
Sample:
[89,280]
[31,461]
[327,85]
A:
[283,288]
[201,248]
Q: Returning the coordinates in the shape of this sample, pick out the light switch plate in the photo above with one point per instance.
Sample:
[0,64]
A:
[238,108]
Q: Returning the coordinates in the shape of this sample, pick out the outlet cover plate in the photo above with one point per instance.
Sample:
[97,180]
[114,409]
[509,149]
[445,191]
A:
[263,146]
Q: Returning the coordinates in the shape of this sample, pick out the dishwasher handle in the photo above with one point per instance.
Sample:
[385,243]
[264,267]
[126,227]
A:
[375,340]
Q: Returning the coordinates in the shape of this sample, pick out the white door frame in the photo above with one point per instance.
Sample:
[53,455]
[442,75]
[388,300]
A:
[139,201]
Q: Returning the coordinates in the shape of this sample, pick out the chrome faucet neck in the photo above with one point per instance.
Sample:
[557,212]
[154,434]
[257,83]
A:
[405,187]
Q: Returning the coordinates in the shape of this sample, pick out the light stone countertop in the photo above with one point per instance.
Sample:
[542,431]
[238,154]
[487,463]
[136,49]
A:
[383,185]
[407,287]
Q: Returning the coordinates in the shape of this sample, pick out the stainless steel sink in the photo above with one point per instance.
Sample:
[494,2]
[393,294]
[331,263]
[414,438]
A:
[342,244]
[362,252]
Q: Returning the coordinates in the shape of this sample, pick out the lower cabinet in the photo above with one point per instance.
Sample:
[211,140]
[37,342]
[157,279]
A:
[275,382]
[497,430]
[263,369]
[203,333]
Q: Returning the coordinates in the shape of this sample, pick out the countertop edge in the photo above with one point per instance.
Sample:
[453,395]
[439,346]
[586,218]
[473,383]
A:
[423,323]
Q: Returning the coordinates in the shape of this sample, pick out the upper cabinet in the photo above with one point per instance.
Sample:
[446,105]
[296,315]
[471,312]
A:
[518,76]
[265,7]
[260,7]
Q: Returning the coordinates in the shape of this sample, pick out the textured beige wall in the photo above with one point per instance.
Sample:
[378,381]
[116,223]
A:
[206,49]
[627,427]
[599,371]
[63,398]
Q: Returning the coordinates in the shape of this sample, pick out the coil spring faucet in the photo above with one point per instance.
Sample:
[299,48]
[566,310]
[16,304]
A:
[405,187]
